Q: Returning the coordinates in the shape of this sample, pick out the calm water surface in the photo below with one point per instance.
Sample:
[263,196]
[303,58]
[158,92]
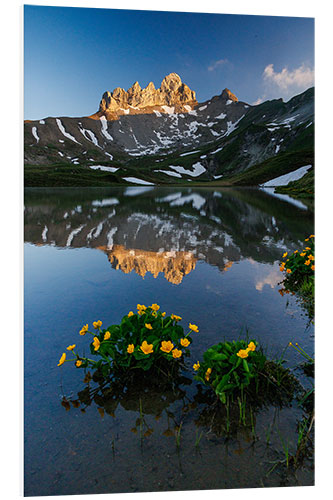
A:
[210,256]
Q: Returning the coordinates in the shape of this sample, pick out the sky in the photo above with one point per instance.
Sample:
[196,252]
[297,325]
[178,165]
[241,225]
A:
[73,55]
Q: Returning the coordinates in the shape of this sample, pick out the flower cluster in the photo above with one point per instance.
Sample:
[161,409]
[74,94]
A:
[299,278]
[142,340]
[229,367]
[300,262]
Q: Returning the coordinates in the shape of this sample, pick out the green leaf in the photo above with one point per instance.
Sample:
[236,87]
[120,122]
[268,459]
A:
[222,383]
[222,397]
[246,366]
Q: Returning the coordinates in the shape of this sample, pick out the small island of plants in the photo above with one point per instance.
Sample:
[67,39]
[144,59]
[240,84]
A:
[148,339]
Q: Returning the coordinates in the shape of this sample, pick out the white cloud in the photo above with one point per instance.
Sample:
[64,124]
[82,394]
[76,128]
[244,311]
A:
[216,64]
[298,79]
[259,101]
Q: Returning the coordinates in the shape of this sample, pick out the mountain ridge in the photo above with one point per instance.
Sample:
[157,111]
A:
[136,132]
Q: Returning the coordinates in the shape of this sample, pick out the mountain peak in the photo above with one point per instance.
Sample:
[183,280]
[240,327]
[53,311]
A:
[227,95]
[171,82]
[173,92]
[135,87]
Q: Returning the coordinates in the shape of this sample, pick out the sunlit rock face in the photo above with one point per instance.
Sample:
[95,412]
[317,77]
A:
[174,265]
[228,96]
[173,92]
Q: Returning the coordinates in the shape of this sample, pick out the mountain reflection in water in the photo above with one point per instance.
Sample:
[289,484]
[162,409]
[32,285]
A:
[174,265]
[166,230]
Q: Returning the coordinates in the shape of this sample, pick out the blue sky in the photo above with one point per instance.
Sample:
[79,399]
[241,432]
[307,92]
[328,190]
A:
[73,55]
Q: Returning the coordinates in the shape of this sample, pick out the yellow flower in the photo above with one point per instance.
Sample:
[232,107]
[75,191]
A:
[167,346]
[311,257]
[288,271]
[148,325]
[96,343]
[251,346]
[176,353]
[313,267]
[155,307]
[282,268]
[62,359]
[208,372]
[307,248]
[306,239]
[296,251]
[185,342]
[311,236]
[141,309]
[131,313]
[196,366]
[71,347]
[130,348]
[243,353]
[303,254]
[307,262]
[154,313]
[193,327]
[175,317]
[84,329]
[97,324]
[285,254]
[78,363]
[107,335]
[146,348]
[163,314]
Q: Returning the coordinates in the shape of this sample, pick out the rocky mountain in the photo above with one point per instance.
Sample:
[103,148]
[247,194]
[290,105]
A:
[137,100]
[165,136]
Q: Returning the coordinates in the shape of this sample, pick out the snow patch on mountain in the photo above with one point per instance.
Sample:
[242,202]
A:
[168,172]
[283,180]
[168,109]
[198,169]
[34,133]
[63,131]
[189,153]
[135,180]
[104,168]
[104,130]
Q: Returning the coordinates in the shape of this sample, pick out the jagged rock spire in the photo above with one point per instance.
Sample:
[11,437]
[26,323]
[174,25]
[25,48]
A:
[227,95]
[171,92]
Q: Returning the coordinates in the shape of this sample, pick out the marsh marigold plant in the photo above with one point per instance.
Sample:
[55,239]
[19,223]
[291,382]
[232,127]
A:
[300,265]
[146,340]
[230,367]
[298,269]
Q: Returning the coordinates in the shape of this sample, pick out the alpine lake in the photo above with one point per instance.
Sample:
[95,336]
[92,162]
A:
[211,256]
